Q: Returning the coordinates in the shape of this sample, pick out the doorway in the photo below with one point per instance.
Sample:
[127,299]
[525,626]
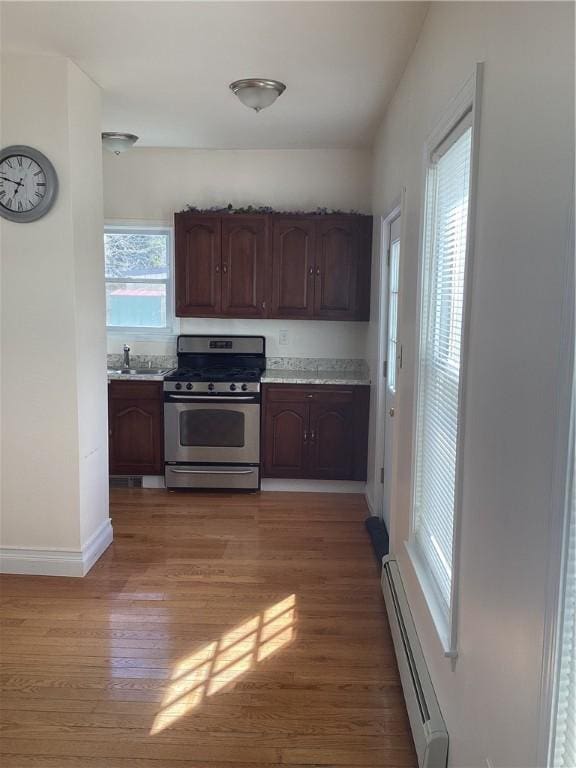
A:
[393,363]
[389,359]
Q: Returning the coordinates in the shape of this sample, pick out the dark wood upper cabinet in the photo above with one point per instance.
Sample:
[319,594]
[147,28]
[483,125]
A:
[293,266]
[284,266]
[338,257]
[197,265]
[244,252]
[136,432]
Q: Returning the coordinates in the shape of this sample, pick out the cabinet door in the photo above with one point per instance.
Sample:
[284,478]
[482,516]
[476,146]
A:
[197,265]
[285,450]
[136,428]
[244,246]
[337,268]
[293,244]
[331,440]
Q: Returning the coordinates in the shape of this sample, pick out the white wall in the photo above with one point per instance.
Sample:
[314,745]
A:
[54,443]
[151,184]
[90,304]
[306,338]
[490,695]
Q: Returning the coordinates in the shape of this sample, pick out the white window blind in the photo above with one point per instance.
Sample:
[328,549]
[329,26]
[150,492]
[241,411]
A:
[564,731]
[438,413]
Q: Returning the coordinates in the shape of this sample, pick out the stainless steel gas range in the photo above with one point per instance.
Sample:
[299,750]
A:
[212,413]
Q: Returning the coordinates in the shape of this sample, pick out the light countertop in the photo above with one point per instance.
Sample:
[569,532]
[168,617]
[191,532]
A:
[113,376]
[342,377]
[279,370]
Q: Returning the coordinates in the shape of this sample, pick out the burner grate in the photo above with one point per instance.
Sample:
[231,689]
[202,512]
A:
[219,373]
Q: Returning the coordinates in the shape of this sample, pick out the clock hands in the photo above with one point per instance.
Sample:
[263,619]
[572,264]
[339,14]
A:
[18,183]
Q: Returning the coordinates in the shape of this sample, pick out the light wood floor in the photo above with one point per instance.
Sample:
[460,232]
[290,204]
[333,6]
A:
[218,631]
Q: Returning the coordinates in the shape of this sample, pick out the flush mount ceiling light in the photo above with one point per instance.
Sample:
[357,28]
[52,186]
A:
[257,92]
[118,142]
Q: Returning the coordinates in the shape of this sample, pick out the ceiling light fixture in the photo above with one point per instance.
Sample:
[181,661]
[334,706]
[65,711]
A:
[118,142]
[257,92]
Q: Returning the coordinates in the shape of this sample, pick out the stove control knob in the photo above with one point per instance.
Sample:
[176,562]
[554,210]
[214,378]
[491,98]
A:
[189,386]
[232,387]
[210,387]
[178,386]
[244,387]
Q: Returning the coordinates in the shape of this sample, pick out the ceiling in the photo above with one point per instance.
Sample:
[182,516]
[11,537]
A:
[164,67]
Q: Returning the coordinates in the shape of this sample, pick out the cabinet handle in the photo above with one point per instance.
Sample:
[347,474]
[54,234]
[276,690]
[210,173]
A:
[312,436]
[224,268]
[305,437]
[263,305]
[318,271]
[311,271]
[217,268]
[310,396]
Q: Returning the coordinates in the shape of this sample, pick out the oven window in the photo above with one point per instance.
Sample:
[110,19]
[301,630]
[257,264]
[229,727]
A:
[212,428]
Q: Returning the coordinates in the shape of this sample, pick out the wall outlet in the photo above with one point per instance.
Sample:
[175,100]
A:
[283,338]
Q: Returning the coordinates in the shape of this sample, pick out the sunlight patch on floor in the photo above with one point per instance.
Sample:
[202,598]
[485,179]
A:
[221,662]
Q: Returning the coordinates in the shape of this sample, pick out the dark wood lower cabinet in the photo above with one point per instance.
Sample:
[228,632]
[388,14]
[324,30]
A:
[318,432]
[330,443]
[285,438]
[308,432]
[136,428]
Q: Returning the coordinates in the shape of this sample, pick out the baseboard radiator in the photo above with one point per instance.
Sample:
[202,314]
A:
[428,728]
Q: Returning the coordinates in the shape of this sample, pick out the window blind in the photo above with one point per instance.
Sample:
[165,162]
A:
[444,256]
[564,738]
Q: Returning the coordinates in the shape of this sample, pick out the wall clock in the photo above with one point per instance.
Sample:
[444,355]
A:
[28,184]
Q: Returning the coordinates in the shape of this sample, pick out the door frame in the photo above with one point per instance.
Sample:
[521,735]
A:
[398,209]
[562,462]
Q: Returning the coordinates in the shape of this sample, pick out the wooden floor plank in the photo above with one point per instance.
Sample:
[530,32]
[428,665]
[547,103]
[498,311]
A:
[219,630]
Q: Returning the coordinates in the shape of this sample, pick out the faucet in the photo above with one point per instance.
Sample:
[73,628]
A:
[126,361]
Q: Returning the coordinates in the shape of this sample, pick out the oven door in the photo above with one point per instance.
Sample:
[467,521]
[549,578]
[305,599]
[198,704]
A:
[212,429]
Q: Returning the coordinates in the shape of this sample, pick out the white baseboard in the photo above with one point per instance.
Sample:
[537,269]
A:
[314,486]
[370,505]
[153,481]
[57,562]
[275,484]
[96,545]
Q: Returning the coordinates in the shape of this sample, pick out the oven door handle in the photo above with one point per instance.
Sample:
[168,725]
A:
[212,471]
[213,398]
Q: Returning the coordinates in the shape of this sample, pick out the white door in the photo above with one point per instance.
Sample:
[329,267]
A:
[393,362]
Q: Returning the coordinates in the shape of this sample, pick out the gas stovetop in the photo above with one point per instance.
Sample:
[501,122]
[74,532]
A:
[216,373]
[217,365]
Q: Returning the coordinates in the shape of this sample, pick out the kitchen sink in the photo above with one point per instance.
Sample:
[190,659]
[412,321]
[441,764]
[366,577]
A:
[139,371]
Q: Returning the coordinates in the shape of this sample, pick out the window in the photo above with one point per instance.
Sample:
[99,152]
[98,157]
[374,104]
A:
[438,414]
[393,310]
[138,279]
[563,748]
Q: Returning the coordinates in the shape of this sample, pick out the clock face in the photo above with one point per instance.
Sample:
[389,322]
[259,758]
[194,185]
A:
[28,184]
[22,183]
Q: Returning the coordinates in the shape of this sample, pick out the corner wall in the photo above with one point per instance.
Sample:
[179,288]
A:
[490,695]
[54,415]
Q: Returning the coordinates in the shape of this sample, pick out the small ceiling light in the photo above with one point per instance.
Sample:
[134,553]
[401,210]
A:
[118,142]
[257,92]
